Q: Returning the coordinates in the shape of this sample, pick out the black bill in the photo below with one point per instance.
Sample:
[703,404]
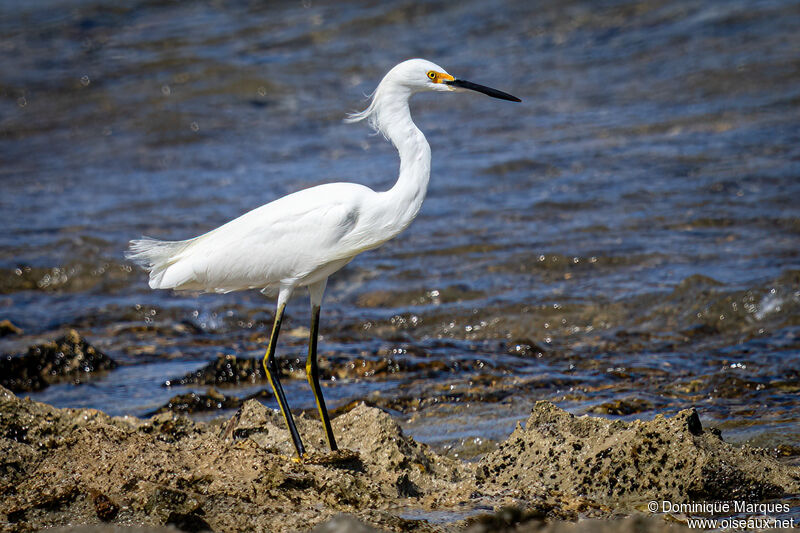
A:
[494,93]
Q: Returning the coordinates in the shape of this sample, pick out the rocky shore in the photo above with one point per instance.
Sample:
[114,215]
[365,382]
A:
[70,467]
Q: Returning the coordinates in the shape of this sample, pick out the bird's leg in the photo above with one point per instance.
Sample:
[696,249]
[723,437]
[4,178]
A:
[312,371]
[271,368]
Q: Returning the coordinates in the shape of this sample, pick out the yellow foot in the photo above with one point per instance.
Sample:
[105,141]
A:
[292,458]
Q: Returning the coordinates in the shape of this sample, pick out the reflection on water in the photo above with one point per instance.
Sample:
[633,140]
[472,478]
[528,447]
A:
[624,242]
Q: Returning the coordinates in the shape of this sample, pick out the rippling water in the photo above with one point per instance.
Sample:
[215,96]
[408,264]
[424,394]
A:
[624,242]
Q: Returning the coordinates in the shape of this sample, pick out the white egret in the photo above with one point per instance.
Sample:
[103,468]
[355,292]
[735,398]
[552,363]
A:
[301,239]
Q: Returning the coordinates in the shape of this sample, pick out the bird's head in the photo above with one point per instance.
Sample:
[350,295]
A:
[420,75]
[409,77]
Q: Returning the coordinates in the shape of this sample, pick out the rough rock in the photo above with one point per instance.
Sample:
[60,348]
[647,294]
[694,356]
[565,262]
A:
[68,467]
[69,357]
[617,462]
[264,427]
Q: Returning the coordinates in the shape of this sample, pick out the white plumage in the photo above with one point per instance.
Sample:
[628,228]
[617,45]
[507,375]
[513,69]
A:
[301,239]
[284,244]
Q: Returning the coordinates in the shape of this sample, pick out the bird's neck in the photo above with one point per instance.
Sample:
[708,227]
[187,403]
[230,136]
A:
[409,191]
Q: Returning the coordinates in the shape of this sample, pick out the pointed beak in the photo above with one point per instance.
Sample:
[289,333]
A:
[494,93]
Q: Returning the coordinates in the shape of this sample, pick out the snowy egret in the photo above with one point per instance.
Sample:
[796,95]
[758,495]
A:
[301,239]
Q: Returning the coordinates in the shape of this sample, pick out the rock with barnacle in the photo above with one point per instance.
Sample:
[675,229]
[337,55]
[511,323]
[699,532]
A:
[68,358]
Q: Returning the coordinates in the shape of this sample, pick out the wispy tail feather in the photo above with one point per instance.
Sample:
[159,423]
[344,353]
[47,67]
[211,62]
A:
[156,257]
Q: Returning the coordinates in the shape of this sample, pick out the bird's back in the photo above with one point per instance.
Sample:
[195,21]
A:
[289,241]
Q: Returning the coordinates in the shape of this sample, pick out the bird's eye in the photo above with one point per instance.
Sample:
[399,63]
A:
[431,74]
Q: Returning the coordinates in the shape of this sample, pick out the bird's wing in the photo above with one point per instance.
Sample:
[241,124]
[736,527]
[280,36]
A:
[278,243]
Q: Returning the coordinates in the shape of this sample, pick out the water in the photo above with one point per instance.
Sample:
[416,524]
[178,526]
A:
[624,242]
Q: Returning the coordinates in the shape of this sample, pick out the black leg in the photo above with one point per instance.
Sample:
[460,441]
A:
[312,371]
[271,368]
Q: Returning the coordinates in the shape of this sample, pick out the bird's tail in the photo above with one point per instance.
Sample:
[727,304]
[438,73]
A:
[156,257]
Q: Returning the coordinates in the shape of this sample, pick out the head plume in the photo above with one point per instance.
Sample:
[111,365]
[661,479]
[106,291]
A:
[369,114]
[396,88]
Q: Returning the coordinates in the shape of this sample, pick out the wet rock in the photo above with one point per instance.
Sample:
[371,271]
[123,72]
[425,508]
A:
[478,394]
[725,385]
[361,368]
[193,402]
[163,329]
[719,385]
[73,277]
[631,462]
[622,407]
[698,331]
[233,370]
[392,365]
[394,299]
[8,328]
[69,357]
[702,308]
[525,348]
[227,370]
[786,450]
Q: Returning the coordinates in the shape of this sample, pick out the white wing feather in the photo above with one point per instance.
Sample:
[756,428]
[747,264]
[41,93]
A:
[284,243]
